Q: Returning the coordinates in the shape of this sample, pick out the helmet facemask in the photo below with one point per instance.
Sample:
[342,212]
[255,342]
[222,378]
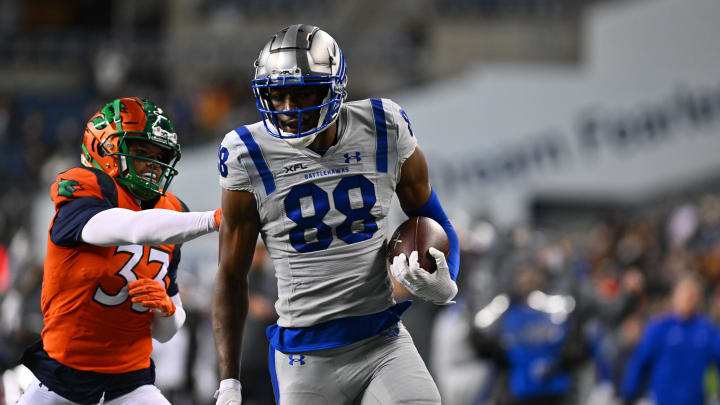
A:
[307,125]
[156,175]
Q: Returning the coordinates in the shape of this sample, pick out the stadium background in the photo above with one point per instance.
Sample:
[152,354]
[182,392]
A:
[579,134]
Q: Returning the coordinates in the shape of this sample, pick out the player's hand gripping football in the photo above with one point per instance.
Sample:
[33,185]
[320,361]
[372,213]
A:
[229,392]
[151,294]
[436,287]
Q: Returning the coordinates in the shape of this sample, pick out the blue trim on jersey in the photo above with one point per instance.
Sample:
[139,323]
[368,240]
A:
[257,159]
[273,374]
[381,154]
[433,209]
[334,333]
[71,218]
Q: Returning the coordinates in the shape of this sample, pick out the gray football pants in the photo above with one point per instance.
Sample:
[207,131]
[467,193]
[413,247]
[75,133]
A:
[381,370]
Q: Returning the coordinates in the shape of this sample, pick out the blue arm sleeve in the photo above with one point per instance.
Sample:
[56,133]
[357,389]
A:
[634,375]
[71,218]
[433,209]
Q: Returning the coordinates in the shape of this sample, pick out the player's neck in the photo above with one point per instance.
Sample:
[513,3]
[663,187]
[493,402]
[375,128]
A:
[143,204]
[324,140]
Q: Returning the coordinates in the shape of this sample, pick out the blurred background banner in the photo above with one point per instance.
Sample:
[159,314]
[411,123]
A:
[575,137]
[639,117]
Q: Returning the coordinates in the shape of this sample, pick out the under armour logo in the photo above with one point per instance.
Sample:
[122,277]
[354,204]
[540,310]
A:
[300,359]
[348,157]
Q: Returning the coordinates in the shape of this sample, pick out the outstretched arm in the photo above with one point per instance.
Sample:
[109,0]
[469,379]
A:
[238,236]
[147,227]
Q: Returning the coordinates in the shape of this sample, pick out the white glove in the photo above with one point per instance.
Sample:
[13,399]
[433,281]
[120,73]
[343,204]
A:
[436,287]
[229,392]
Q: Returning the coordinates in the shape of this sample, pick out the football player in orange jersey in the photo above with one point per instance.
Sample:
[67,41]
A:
[113,252]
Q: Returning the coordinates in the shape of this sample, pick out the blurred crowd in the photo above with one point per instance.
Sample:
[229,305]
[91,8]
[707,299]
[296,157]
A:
[613,309]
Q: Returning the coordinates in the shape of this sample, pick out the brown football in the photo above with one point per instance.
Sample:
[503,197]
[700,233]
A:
[419,233]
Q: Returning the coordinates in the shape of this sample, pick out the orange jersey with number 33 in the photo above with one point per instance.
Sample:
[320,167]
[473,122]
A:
[90,323]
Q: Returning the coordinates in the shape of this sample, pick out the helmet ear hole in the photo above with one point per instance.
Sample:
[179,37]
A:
[94,146]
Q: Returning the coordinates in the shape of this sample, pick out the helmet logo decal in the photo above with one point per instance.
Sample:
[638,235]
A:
[67,188]
[159,126]
[100,122]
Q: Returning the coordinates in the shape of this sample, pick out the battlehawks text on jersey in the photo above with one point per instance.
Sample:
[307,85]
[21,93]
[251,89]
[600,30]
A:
[324,217]
[90,323]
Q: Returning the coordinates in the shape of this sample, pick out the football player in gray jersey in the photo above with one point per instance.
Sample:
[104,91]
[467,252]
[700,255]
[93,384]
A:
[315,178]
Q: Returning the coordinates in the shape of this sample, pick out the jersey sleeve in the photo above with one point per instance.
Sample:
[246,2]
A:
[78,194]
[406,141]
[232,172]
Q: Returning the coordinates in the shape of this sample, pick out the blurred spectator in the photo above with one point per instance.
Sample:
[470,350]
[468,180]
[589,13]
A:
[675,351]
[462,377]
[534,337]
[629,334]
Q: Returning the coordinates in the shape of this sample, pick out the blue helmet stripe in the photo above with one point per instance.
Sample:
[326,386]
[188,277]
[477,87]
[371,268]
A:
[257,158]
[381,131]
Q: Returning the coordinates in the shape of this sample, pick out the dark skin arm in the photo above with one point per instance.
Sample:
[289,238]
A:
[413,191]
[238,236]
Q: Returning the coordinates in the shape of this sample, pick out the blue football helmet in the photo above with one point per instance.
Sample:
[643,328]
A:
[300,55]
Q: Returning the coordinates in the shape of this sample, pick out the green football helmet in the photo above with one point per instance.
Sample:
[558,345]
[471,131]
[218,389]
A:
[122,125]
